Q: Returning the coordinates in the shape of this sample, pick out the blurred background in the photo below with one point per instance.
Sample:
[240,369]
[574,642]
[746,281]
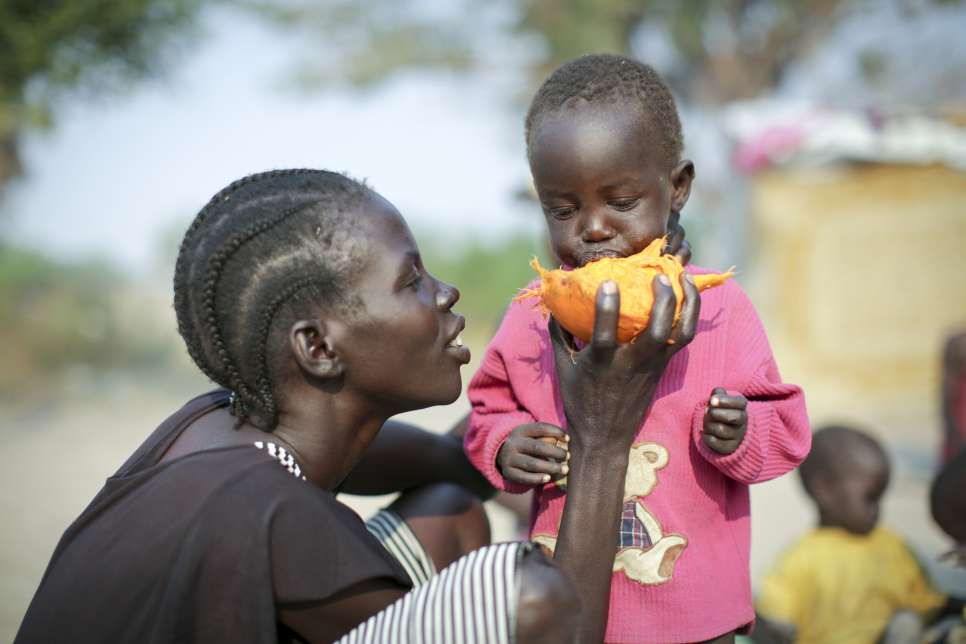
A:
[829,138]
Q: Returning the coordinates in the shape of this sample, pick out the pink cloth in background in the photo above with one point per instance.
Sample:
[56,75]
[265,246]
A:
[693,502]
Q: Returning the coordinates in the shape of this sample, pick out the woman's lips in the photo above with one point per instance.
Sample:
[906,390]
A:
[457,350]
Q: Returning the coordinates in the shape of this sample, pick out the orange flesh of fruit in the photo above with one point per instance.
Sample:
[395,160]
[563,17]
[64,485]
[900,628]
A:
[570,295]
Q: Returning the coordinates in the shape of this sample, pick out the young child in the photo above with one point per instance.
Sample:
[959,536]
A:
[604,144]
[948,504]
[847,579]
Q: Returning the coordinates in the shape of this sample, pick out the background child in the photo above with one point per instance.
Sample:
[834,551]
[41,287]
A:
[848,578]
[604,143]
[947,501]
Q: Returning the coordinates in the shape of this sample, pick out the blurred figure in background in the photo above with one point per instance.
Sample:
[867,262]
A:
[947,500]
[954,395]
[849,579]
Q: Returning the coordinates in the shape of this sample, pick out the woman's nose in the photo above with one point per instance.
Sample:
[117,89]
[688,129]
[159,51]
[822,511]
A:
[446,296]
[596,228]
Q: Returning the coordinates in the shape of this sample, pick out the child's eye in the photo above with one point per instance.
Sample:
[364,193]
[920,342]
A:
[562,212]
[624,204]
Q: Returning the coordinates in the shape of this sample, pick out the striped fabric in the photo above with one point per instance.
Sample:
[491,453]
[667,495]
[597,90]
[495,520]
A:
[473,601]
[396,536]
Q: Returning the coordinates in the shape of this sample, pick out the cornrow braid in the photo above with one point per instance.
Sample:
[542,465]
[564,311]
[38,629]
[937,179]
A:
[264,382]
[215,265]
[253,243]
[221,196]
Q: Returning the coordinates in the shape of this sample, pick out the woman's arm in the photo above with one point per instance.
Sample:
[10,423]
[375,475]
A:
[606,391]
[403,456]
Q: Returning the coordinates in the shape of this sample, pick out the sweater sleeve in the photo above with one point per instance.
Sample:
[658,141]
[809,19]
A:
[778,437]
[496,410]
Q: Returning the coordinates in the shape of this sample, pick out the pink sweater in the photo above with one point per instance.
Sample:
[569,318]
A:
[681,573]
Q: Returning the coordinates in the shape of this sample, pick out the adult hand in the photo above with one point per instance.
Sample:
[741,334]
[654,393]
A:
[676,244]
[606,387]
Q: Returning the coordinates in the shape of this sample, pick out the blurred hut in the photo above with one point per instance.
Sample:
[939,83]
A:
[858,230]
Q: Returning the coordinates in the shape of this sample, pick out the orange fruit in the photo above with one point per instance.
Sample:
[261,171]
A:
[570,295]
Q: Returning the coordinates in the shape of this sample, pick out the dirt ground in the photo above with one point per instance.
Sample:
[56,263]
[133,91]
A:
[55,458]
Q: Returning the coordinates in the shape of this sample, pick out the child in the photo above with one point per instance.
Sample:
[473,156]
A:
[948,504]
[848,579]
[604,144]
[947,500]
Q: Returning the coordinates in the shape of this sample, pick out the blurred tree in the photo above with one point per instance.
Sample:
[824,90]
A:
[716,51]
[48,46]
[722,50]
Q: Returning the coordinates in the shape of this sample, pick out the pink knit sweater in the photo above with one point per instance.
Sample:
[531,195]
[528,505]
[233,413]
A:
[681,573]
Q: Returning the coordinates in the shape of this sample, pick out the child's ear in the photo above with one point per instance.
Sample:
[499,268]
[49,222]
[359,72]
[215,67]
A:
[681,178]
[824,494]
[314,350]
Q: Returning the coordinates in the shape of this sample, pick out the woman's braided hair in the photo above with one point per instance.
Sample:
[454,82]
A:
[267,249]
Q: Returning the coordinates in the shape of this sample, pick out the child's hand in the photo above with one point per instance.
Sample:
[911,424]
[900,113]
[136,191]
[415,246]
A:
[525,458]
[725,421]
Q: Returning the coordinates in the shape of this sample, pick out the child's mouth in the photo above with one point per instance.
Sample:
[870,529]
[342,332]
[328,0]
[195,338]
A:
[594,255]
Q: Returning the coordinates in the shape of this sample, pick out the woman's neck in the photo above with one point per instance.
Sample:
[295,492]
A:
[327,435]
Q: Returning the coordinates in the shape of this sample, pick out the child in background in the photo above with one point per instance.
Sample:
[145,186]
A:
[954,395]
[847,579]
[604,144]
[947,500]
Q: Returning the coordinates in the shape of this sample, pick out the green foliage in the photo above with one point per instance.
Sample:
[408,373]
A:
[50,45]
[724,50]
[58,315]
[366,41]
[487,275]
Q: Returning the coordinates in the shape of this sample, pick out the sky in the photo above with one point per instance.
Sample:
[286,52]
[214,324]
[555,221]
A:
[116,173]
[119,173]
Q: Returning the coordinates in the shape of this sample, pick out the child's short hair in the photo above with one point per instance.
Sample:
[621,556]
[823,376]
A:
[833,452]
[947,498]
[608,78]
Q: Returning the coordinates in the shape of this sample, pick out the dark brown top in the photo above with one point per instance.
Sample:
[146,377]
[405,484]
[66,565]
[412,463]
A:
[201,548]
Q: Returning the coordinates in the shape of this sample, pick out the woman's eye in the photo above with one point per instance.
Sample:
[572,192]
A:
[624,204]
[415,281]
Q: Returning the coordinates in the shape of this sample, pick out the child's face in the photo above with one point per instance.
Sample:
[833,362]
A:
[852,502]
[605,187]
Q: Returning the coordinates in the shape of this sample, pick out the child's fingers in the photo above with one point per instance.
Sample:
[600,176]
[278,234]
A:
[720,398]
[517,475]
[719,445]
[729,416]
[721,431]
[533,464]
[539,430]
[543,448]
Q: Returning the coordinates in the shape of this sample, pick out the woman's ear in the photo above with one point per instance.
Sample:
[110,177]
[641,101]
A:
[313,349]
[681,178]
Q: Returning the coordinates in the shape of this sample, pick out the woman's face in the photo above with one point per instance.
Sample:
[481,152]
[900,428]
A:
[404,348]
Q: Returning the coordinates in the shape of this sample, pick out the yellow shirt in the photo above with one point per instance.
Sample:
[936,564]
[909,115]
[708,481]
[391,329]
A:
[837,587]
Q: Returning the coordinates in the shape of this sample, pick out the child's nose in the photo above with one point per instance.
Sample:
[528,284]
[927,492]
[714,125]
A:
[596,228]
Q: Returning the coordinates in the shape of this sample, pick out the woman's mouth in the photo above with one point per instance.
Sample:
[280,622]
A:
[457,350]
[455,346]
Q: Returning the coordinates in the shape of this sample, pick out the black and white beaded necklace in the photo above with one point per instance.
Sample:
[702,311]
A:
[281,455]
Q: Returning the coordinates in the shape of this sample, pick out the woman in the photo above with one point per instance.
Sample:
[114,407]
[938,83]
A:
[303,293]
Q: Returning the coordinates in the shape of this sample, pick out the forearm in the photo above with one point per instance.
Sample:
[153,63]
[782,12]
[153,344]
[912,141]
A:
[403,456]
[586,544]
